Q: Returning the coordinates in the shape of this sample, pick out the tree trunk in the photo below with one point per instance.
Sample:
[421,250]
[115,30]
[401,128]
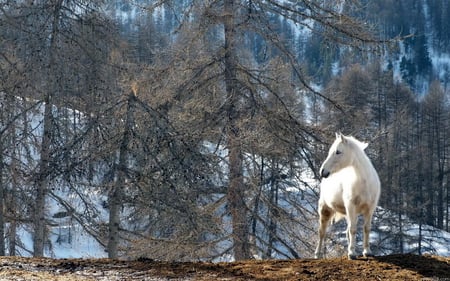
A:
[44,164]
[2,213]
[440,151]
[115,197]
[254,216]
[10,199]
[12,232]
[114,218]
[272,212]
[42,183]
[236,202]
[236,187]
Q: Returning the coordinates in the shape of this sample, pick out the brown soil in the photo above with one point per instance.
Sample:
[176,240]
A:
[392,267]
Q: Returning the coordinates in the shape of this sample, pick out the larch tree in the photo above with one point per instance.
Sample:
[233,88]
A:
[208,87]
[215,64]
[436,118]
[50,44]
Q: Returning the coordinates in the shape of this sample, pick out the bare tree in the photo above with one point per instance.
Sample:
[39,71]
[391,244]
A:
[51,46]
[435,106]
[216,64]
[151,149]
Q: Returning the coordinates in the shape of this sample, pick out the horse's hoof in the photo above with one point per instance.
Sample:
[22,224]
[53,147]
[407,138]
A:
[352,257]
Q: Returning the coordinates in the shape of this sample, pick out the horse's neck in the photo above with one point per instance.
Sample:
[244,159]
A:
[360,161]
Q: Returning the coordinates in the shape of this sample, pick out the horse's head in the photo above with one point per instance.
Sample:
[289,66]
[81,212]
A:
[341,154]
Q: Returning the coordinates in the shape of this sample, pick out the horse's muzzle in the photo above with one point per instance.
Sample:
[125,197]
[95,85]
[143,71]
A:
[324,173]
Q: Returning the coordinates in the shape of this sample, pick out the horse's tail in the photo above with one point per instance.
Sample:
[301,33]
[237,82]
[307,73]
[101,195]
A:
[337,217]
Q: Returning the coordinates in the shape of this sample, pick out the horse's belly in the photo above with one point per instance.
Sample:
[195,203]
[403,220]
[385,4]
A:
[333,192]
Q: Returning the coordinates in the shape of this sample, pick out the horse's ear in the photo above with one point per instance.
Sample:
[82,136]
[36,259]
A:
[338,135]
[343,138]
[364,145]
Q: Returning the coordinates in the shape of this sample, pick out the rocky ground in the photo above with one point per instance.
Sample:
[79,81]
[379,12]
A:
[392,267]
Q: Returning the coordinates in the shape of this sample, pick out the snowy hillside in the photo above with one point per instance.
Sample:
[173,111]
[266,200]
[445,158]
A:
[419,58]
[68,239]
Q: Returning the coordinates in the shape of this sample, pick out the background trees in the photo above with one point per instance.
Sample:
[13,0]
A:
[51,45]
[199,136]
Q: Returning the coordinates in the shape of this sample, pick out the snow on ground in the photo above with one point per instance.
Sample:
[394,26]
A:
[68,239]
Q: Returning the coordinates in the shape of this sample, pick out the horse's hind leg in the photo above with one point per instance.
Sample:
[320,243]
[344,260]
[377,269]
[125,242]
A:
[325,214]
[366,243]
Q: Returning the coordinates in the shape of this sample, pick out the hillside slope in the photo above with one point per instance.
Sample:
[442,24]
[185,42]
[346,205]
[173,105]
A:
[392,267]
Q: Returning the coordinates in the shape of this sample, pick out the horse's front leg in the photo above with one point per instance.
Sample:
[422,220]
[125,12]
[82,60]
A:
[325,214]
[351,231]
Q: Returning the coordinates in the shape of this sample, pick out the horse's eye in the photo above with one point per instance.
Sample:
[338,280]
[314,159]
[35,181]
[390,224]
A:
[338,152]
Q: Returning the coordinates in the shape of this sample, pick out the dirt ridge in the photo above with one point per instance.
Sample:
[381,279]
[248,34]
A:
[390,267]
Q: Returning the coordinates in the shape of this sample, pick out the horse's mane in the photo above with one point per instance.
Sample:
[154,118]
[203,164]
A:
[361,145]
[358,148]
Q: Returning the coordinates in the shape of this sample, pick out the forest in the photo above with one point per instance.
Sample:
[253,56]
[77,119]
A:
[194,130]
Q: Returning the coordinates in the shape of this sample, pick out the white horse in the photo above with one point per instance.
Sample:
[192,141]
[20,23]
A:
[350,186]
